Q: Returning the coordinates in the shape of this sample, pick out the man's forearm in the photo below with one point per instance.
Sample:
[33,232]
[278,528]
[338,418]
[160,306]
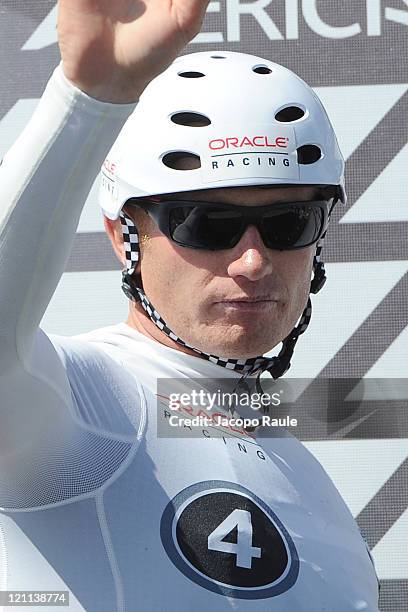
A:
[44,179]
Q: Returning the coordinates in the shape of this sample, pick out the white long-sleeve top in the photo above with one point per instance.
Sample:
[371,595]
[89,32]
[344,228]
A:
[92,500]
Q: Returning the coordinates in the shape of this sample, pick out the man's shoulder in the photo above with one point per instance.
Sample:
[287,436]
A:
[99,381]
[90,345]
[99,335]
[95,352]
[79,346]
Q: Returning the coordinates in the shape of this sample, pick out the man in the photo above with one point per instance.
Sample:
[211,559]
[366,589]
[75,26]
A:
[219,253]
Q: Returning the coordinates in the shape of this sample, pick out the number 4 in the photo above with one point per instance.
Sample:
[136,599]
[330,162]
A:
[243,549]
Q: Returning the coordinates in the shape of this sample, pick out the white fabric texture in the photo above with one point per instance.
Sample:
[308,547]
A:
[91,500]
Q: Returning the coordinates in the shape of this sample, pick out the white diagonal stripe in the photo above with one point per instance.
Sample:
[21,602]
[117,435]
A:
[356,110]
[391,553]
[370,463]
[350,295]
[386,197]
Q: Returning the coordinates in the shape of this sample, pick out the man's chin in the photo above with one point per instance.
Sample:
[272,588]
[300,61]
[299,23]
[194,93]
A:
[241,348]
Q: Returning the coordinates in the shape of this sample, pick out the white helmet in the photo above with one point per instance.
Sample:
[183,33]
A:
[242,120]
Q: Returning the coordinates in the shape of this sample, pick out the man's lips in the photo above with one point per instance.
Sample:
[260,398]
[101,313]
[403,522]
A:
[252,304]
[248,300]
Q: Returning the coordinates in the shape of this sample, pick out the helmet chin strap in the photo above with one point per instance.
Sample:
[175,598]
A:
[276,366]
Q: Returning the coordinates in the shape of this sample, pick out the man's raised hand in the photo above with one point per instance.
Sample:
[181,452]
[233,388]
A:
[111,49]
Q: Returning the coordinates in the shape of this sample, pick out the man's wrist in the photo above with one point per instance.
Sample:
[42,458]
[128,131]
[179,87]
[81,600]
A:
[72,95]
[112,93]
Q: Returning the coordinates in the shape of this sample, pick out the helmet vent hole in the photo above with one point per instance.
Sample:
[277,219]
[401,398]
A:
[218,57]
[289,114]
[308,154]
[181,160]
[191,74]
[262,69]
[190,119]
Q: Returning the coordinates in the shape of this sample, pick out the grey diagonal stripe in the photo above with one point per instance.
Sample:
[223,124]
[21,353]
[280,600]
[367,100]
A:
[350,242]
[92,251]
[385,508]
[350,361]
[394,596]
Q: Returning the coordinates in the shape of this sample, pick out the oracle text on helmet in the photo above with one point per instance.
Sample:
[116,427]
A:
[296,11]
[280,142]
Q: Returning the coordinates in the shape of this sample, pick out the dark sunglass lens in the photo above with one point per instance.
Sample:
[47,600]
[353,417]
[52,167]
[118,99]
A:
[295,227]
[205,227]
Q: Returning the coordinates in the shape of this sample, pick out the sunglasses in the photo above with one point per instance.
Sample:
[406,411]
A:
[216,226]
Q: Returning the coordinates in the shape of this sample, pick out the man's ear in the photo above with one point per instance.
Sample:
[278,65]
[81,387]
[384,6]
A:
[114,231]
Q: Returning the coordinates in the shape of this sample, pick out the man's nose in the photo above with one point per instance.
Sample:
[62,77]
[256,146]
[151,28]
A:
[250,257]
